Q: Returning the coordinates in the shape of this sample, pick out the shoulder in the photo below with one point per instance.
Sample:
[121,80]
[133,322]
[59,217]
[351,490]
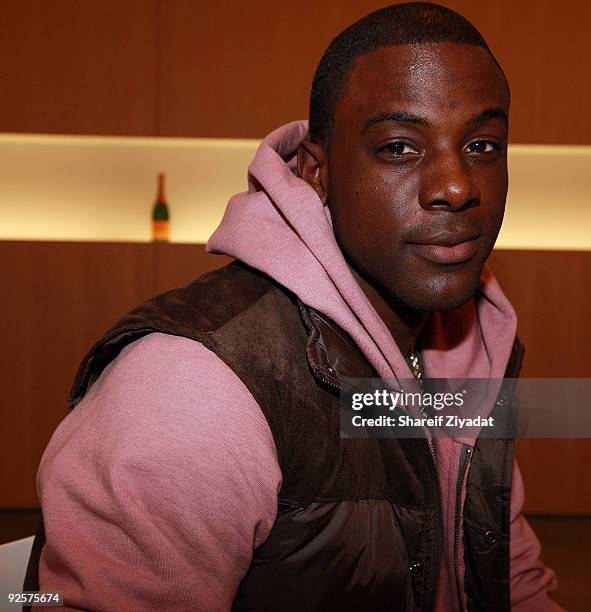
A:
[166,397]
[209,301]
[214,310]
[173,375]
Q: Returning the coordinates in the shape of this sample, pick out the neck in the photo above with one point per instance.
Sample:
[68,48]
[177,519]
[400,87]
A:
[404,323]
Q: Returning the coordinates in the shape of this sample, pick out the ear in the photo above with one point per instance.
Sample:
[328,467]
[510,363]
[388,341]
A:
[313,167]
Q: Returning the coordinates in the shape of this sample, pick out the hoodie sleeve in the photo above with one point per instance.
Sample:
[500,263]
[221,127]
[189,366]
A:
[158,486]
[531,581]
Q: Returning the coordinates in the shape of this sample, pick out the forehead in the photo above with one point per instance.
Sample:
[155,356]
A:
[428,79]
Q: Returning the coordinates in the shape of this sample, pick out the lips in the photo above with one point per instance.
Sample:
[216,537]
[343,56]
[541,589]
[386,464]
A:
[448,247]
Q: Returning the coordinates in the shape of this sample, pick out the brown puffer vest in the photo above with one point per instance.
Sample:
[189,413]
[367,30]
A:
[359,521]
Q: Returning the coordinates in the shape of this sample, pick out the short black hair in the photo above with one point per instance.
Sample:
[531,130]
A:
[398,24]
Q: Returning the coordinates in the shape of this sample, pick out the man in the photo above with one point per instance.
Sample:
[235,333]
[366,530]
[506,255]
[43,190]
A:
[202,467]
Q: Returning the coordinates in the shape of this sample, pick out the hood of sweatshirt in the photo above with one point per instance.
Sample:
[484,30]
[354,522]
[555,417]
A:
[281,227]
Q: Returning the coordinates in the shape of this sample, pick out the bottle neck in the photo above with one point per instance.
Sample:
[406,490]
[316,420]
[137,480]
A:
[161,197]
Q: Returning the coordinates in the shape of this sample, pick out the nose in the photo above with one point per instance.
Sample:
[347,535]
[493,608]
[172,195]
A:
[447,184]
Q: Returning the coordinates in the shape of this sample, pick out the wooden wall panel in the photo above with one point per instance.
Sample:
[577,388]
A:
[240,69]
[551,293]
[177,264]
[543,52]
[59,298]
[78,66]
[243,71]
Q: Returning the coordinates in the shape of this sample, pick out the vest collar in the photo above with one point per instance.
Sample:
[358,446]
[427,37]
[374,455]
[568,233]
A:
[331,352]
[333,355]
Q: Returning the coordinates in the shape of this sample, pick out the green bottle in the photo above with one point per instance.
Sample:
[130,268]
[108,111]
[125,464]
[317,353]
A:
[160,220]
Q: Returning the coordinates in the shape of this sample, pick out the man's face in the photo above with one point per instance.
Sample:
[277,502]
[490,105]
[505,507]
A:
[417,170]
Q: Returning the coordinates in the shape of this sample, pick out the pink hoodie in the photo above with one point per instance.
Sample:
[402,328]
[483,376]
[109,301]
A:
[133,481]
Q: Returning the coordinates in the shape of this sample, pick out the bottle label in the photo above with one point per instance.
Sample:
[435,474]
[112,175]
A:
[160,230]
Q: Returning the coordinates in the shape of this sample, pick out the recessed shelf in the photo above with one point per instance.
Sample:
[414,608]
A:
[96,188]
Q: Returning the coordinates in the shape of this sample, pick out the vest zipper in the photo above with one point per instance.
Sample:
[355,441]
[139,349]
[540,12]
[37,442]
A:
[438,534]
[464,461]
[433,464]
[435,472]
[333,384]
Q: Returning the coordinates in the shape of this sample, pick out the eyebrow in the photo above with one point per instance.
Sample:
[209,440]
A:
[393,116]
[487,115]
[481,117]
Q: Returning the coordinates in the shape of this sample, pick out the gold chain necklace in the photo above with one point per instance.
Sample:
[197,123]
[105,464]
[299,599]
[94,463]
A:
[415,367]
[417,371]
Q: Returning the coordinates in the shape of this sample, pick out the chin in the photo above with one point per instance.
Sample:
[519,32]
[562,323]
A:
[445,305]
[441,294]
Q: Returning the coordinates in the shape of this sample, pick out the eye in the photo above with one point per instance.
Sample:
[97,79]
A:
[397,149]
[483,146]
